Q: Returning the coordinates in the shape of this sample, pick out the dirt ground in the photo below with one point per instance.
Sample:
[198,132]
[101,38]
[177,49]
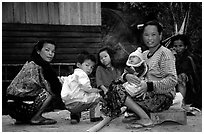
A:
[194,124]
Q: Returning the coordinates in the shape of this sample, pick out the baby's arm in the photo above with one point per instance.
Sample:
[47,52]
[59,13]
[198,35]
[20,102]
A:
[89,89]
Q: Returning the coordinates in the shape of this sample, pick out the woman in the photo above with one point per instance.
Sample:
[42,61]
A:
[34,87]
[189,82]
[159,87]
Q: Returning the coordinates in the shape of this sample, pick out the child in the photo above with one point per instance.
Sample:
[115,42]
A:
[77,93]
[106,72]
[137,66]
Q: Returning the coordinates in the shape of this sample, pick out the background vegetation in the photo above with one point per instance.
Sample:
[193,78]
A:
[168,13]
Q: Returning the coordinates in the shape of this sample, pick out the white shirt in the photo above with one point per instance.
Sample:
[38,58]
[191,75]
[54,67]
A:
[72,89]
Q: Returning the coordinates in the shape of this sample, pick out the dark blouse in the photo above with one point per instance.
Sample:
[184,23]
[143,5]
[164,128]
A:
[104,76]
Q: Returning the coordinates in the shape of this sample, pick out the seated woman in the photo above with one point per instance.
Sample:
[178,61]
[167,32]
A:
[188,70]
[159,85]
[34,87]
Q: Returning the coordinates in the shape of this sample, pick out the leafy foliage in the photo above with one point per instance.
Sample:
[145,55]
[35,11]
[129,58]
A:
[168,13]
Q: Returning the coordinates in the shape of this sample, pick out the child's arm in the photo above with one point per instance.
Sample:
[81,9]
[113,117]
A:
[105,90]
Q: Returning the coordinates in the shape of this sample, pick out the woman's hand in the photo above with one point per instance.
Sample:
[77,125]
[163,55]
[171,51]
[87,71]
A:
[143,88]
[133,79]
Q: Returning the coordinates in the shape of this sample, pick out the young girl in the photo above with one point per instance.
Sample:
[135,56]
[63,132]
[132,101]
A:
[106,72]
[77,93]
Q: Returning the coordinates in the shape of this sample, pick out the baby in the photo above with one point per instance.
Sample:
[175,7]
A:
[137,66]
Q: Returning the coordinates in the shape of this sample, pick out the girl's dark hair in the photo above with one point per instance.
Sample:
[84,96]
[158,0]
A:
[154,23]
[111,53]
[183,38]
[84,55]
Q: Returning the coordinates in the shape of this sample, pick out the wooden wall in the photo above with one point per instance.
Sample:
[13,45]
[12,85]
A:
[62,13]
[18,40]
[73,26]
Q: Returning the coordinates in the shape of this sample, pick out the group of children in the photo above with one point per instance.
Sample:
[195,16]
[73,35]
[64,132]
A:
[77,92]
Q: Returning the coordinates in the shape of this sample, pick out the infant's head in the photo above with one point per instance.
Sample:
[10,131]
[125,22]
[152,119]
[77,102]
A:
[135,58]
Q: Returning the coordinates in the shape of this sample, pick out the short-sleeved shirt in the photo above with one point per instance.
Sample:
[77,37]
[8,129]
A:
[104,76]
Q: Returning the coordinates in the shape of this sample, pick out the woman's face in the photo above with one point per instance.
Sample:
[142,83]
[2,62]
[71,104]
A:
[151,36]
[105,58]
[179,46]
[47,52]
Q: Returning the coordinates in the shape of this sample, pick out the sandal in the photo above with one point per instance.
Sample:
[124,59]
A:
[43,121]
[130,119]
[96,119]
[22,122]
[134,126]
[193,111]
[140,124]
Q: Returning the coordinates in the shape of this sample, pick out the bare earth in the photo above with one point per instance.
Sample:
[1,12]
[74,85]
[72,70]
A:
[194,124]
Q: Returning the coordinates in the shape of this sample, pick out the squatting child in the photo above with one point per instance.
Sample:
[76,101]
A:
[77,92]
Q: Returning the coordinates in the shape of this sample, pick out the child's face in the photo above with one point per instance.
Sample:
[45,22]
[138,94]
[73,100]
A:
[105,58]
[134,60]
[87,66]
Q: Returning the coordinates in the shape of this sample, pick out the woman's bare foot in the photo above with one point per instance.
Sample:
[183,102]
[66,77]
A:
[144,122]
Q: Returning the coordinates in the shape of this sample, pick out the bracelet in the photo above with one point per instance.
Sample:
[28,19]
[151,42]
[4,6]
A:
[124,77]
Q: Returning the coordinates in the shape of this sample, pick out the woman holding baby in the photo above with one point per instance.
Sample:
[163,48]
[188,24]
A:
[158,85]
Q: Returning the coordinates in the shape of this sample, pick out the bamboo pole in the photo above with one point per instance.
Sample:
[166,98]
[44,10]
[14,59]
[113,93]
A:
[104,122]
[100,125]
